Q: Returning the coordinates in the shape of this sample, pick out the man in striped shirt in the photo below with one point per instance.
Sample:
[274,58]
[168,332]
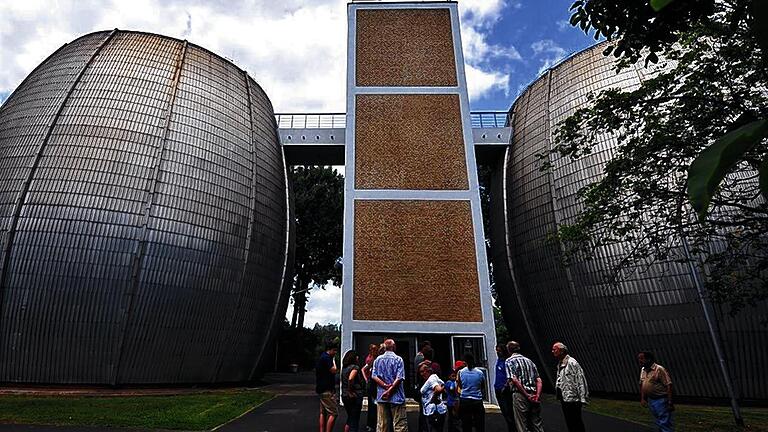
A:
[523,378]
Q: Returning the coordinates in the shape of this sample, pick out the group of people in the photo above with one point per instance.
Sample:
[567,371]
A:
[455,403]
[458,401]
[518,389]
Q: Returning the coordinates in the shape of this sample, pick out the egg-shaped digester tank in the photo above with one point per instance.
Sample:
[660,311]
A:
[143,217]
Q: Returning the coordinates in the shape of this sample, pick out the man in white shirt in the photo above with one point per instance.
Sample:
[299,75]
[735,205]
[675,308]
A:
[571,387]
[434,407]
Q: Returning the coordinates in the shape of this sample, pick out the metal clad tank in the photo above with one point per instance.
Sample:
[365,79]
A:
[604,325]
[143,216]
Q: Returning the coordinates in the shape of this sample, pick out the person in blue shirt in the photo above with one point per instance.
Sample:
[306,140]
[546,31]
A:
[452,399]
[502,390]
[471,409]
[389,374]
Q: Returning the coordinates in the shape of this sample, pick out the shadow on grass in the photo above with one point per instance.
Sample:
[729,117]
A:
[694,418]
[201,411]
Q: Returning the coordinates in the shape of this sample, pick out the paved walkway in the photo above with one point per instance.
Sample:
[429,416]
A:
[295,410]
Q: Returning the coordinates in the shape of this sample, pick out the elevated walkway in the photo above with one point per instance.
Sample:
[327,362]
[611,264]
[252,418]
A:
[318,139]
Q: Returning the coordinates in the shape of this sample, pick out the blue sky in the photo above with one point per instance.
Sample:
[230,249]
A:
[540,32]
[296,50]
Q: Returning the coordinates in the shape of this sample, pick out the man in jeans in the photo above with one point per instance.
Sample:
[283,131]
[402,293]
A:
[325,386]
[388,374]
[571,387]
[656,391]
[524,379]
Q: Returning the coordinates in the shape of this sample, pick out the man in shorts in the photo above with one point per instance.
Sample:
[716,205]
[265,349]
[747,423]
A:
[325,386]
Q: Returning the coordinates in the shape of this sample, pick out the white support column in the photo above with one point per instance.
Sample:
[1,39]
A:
[484,328]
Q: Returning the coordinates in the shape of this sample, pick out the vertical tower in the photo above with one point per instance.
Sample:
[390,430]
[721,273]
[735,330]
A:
[415,261]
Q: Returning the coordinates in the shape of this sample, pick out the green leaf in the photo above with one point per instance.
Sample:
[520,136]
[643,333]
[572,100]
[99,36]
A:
[713,163]
[576,4]
[658,5]
[651,58]
[764,177]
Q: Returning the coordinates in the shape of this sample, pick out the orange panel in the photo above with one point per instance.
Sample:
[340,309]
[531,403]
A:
[405,47]
[409,142]
[415,261]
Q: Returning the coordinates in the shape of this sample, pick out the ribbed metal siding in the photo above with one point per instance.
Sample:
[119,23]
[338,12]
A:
[605,326]
[34,324]
[132,261]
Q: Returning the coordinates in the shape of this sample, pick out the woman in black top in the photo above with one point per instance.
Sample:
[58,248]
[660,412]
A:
[352,390]
[367,370]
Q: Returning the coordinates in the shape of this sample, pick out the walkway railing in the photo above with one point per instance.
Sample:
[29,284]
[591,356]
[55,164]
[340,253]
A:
[480,120]
[311,121]
[489,119]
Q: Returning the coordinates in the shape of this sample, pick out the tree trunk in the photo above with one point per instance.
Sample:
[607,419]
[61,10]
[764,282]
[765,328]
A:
[301,305]
[295,312]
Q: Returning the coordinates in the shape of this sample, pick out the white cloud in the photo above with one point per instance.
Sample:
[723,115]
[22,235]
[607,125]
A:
[547,46]
[323,307]
[295,50]
[563,25]
[481,13]
[481,82]
[483,59]
[478,50]
[548,52]
[485,13]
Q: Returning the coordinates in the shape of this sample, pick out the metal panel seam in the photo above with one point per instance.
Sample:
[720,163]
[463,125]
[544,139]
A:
[288,234]
[556,211]
[142,241]
[229,345]
[20,199]
[510,268]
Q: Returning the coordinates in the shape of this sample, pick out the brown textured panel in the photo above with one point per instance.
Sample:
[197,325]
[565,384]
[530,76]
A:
[415,261]
[409,142]
[405,47]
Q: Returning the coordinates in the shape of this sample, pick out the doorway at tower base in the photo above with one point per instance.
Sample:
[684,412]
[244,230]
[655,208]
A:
[448,348]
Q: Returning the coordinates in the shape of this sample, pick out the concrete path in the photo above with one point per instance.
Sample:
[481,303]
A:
[296,406]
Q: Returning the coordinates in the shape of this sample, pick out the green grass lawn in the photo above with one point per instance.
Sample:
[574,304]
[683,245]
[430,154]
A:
[201,411]
[693,418]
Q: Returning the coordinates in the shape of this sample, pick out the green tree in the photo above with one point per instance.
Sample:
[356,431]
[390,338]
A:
[318,194]
[636,27]
[502,333]
[714,83]
[302,346]
[653,26]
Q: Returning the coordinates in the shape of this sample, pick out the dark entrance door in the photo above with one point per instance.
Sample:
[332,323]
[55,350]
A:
[476,346]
